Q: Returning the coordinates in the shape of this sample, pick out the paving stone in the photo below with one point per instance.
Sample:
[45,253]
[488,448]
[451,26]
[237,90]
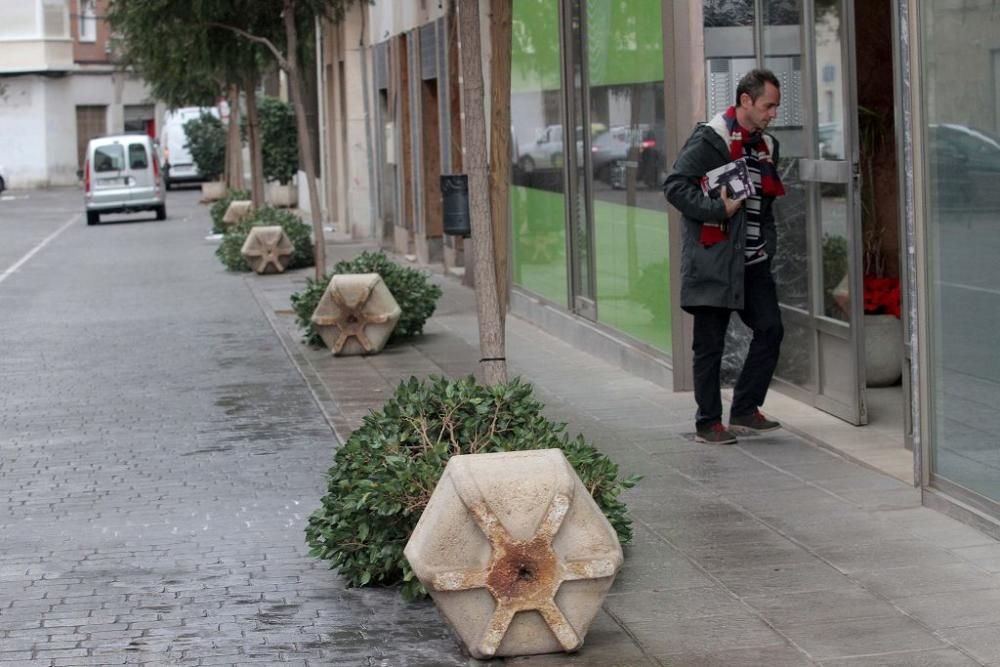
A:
[866,636]
[786,609]
[937,658]
[955,609]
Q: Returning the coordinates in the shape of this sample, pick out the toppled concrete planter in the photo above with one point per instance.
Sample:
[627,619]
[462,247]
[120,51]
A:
[237,211]
[268,249]
[212,191]
[356,314]
[515,532]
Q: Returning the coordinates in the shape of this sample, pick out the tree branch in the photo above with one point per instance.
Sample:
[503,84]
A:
[282,62]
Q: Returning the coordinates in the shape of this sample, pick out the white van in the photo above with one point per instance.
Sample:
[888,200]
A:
[121,174]
[178,165]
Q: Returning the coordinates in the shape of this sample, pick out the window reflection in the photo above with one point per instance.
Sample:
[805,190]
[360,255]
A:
[961,42]
[538,208]
[628,166]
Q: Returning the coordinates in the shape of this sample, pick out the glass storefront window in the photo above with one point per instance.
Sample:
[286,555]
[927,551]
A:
[961,80]
[624,53]
[538,207]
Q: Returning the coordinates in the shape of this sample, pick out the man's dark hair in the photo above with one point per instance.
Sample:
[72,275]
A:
[753,82]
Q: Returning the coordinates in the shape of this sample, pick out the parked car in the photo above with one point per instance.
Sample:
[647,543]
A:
[610,151]
[546,151]
[121,174]
[178,165]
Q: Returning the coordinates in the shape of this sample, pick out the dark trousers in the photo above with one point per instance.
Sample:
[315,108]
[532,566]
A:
[760,313]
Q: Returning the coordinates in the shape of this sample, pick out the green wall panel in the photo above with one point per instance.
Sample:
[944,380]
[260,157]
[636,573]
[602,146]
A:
[534,62]
[538,220]
[633,272]
[624,41]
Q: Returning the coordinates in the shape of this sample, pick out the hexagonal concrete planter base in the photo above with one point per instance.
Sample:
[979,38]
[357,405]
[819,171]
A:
[515,552]
[237,211]
[356,314]
[267,249]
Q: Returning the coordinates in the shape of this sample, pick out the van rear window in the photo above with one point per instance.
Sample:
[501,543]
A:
[137,156]
[109,158]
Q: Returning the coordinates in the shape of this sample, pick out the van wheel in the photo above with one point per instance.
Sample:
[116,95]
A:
[161,212]
[93,217]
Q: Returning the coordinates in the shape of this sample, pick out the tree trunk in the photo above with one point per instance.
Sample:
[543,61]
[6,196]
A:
[500,45]
[305,139]
[491,330]
[234,147]
[256,153]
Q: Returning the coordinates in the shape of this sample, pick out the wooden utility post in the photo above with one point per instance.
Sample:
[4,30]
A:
[500,44]
[491,330]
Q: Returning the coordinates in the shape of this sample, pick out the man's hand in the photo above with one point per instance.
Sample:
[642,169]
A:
[731,206]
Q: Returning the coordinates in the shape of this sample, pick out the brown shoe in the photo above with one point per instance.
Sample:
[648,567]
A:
[756,422]
[716,434]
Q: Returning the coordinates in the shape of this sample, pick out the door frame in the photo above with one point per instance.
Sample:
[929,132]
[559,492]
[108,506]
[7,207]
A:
[847,172]
[695,111]
[581,284]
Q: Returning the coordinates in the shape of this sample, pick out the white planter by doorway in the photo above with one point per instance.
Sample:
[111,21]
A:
[883,350]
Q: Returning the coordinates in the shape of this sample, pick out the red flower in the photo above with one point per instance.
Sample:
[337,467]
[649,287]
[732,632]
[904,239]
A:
[881,296]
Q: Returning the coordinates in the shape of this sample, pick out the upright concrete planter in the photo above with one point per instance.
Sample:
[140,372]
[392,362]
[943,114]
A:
[213,191]
[515,532]
[238,210]
[267,249]
[356,314]
[283,195]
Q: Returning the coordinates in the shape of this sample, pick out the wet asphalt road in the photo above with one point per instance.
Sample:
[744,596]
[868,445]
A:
[159,457]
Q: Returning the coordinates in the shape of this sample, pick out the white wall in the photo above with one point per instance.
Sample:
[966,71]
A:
[22,131]
[392,17]
[38,122]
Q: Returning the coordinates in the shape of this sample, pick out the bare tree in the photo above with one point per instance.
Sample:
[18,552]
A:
[491,327]
[501,14]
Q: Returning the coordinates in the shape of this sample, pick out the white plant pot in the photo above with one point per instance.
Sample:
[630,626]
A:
[283,196]
[883,350]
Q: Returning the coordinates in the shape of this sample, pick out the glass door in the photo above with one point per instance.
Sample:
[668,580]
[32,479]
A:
[818,265]
[583,296]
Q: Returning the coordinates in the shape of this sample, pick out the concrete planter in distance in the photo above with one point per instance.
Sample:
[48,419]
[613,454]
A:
[505,533]
[283,196]
[267,249]
[356,314]
[213,191]
[237,211]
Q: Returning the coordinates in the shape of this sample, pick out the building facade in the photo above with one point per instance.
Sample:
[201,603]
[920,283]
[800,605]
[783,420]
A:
[59,88]
[890,141]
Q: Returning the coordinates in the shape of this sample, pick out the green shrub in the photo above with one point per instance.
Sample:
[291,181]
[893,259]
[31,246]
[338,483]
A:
[416,296]
[279,140]
[218,209]
[206,139]
[299,232]
[383,476]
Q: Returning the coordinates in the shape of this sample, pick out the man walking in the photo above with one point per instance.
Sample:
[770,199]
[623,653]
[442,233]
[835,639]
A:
[727,247]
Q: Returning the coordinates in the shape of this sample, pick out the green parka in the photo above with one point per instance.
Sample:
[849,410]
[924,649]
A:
[712,276]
